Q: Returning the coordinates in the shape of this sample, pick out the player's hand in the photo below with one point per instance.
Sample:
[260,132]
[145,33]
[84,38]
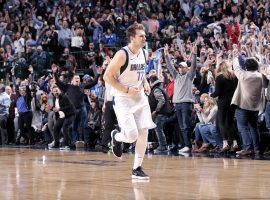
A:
[147,89]
[134,91]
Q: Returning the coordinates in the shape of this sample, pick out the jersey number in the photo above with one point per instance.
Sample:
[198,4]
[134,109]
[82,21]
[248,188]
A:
[140,75]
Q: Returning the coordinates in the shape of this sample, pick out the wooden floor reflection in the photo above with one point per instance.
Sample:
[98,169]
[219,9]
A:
[42,174]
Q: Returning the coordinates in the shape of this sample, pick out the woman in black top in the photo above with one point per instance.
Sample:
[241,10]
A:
[226,83]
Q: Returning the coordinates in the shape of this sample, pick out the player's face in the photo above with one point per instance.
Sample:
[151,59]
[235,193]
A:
[139,39]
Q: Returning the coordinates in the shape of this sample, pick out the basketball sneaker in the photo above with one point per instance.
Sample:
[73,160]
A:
[64,148]
[116,146]
[139,174]
[54,146]
[51,144]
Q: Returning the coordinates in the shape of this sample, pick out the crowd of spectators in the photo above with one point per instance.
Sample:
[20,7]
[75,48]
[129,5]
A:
[44,43]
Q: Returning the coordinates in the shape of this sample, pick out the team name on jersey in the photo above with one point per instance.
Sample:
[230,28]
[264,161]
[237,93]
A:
[136,67]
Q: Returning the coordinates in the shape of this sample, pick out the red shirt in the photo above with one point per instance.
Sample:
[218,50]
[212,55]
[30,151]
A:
[169,90]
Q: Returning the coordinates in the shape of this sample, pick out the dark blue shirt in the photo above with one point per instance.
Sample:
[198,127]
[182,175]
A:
[21,105]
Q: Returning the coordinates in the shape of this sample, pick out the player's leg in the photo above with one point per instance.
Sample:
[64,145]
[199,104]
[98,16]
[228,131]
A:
[128,133]
[140,148]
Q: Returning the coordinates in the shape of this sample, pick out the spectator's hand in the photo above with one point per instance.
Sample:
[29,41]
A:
[12,71]
[197,107]
[235,50]
[87,92]
[166,49]
[30,69]
[263,71]
[260,36]
[194,48]
[103,107]
[48,107]
[220,54]
[56,109]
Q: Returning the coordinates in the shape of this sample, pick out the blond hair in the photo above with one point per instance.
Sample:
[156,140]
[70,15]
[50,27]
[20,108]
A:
[224,69]
[212,103]
[131,30]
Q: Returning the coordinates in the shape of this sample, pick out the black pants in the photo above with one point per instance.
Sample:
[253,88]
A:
[26,118]
[3,125]
[10,130]
[225,122]
[110,121]
[64,124]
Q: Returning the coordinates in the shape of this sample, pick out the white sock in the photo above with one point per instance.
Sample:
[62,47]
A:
[140,148]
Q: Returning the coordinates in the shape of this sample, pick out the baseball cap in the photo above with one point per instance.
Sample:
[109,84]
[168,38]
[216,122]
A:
[183,64]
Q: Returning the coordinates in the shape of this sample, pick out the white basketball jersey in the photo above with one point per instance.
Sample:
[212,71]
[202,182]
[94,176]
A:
[134,73]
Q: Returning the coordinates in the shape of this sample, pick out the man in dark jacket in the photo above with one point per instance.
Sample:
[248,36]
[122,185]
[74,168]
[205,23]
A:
[159,106]
[64,114]
[75,92]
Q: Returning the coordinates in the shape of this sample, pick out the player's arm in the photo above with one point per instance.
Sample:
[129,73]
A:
[146,86]
[113,68]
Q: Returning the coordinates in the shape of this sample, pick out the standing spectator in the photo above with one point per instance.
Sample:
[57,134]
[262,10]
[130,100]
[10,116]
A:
[64,33]
[159,102]
[234,32]
[64,113]
[153,26]
[183,97]
[49,41]
[68,62]
[75,93]
[11,115]
[39,61]
[77,40]
[4,112]
[249,99]
[225,85]
[109,38]
[19,43]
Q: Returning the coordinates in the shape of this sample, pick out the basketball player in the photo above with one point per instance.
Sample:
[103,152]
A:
[126,75]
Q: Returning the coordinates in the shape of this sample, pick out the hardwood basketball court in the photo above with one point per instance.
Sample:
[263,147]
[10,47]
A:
[42,174]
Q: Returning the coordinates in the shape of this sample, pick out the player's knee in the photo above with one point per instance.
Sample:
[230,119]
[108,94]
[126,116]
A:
[132,135]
